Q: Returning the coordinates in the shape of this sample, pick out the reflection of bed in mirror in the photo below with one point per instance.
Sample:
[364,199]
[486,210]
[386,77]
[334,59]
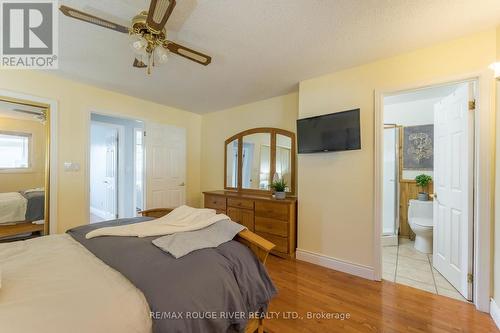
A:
[22,212]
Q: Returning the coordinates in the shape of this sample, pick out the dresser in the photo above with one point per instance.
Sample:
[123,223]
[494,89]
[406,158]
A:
[275,220]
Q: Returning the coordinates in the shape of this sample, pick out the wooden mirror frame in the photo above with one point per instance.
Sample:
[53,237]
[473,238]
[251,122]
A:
[273,133]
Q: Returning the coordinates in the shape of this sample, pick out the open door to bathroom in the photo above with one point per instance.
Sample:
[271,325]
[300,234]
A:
[453,182]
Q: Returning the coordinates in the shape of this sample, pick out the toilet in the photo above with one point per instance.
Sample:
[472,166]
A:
[420,215]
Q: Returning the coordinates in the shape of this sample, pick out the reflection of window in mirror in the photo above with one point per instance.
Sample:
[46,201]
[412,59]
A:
[284,158]
[256,161]
[232,164]
[16,150]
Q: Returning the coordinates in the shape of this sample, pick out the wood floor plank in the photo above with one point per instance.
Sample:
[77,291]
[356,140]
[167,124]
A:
[372,306]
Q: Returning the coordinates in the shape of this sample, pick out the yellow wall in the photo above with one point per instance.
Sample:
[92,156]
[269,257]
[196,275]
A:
[74,102]
[496,229]
[13,181]
[336,190]
[280,112]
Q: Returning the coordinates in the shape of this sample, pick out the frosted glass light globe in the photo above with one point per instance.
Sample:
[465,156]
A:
[161,55]
[138,44]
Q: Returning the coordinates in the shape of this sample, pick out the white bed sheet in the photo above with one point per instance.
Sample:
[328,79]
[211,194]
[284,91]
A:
[53,284]
[12,207]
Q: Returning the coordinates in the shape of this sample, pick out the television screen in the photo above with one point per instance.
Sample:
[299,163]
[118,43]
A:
[332,132]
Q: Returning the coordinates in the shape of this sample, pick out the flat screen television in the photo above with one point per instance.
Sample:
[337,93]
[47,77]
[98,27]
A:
[332,132]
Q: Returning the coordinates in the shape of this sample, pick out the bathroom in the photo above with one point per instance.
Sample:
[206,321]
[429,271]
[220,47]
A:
[412,121]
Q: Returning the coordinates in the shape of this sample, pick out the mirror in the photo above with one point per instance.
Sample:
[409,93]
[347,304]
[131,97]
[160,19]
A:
[256,161]
[284,158]
[255,156]
[232,164]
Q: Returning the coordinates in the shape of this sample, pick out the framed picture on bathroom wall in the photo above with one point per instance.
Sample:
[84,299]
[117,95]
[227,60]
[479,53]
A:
[418,148]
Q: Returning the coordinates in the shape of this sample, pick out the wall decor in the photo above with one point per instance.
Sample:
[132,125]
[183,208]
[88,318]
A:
[418,147]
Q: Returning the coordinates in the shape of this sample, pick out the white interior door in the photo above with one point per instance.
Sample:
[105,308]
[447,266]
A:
[110,177]
[104,170]
[453,172]
[165,166]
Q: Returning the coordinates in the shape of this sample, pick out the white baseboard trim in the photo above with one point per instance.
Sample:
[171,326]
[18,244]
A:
[495,312]
[336,264]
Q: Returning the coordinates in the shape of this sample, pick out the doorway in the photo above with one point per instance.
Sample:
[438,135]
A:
[116,167]
[428,181]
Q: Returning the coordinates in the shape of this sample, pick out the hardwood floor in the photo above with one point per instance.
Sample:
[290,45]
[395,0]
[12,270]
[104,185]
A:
[372,306]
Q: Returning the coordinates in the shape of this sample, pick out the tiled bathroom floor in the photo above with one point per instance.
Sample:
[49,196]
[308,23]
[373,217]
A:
[405,265]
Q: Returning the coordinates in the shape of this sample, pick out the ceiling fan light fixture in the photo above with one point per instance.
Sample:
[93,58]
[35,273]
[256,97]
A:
[160,55]
[138,44]
[147,35]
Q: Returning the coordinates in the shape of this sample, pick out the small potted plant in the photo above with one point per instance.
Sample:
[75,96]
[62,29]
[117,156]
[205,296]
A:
[279,187]
[423,182]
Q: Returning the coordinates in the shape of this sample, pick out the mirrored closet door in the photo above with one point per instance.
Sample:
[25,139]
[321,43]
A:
[24,157]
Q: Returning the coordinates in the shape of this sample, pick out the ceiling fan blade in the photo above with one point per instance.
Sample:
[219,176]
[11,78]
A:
[158,14]
[139,64]
[79,15]
[188,53]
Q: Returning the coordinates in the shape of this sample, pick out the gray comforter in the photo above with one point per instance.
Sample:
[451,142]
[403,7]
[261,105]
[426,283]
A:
[209,290]
[35,209]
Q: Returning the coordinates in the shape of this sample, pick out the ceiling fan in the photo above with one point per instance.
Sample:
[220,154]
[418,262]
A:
[148,36]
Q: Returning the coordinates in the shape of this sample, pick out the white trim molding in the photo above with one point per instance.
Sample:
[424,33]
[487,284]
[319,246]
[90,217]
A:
[495,312]
[335,264]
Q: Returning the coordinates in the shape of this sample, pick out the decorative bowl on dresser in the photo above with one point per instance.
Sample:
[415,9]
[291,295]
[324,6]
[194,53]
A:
[275,220]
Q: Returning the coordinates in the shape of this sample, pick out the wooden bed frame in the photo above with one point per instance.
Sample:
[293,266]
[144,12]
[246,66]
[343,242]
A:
[20,228]
[259,246]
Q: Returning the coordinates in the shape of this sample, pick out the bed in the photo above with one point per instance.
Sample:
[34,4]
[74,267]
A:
[22,212]
[66,283]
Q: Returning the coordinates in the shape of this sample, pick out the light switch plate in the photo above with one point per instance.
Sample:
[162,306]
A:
[71,166]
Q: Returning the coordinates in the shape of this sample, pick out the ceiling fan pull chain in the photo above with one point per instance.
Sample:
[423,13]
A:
[149,63]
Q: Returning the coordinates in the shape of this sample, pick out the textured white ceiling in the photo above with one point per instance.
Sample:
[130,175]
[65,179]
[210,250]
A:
[260,48]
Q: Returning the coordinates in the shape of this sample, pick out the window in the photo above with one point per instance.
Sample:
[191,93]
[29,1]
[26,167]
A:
[15,150]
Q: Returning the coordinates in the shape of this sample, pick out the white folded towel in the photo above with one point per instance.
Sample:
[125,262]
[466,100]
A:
[181,219]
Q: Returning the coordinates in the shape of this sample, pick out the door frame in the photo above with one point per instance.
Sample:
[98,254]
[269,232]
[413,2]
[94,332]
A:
[51,155]
[120,183]
[483,167]
[88,122]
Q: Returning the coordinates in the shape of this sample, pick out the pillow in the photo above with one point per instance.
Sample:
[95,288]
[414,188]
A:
[182,243]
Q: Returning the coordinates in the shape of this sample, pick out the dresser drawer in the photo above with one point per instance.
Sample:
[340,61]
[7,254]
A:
[272,210]
[240,203]
[215,202]
[280,242]
[242,216]
[271,226]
